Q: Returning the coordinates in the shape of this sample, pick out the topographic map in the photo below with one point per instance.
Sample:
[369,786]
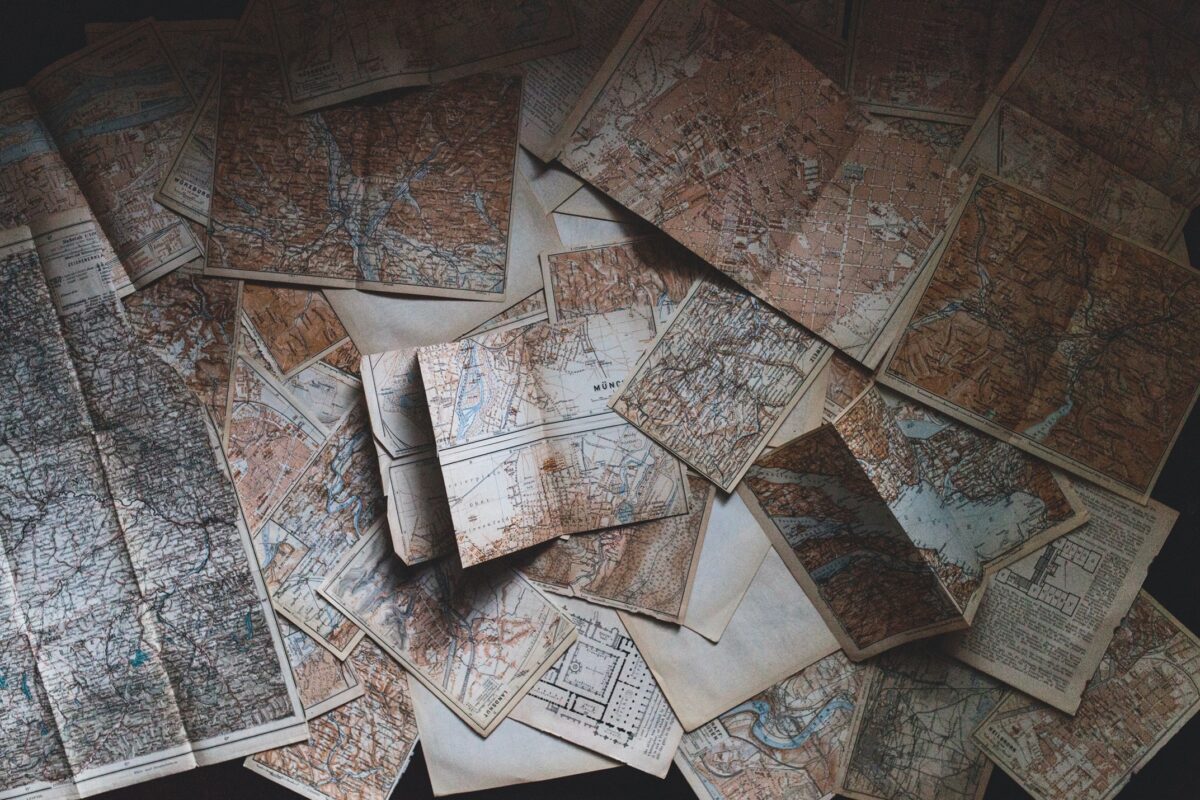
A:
[409,194]
[650,275]
[719,380]
[194,45]
[330,505]
[116,110]
[323,681]
[601,695]
[1146,688]
[357,751]
[935,59]
[138,639]
[35,182]
[271,438]
[528,447]
[911,735]
[478,639]
[647,568]
[787,741]
[894,489]
[294,327]
[1120,82]
[324,388]
[1068,342]
[191,323]
[749,156]
[336,50]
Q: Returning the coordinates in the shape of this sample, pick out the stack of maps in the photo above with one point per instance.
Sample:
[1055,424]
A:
[774,389]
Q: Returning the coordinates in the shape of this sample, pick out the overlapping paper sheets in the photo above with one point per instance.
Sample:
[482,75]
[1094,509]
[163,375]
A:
[1064,340]
[409,193]
[893,516]
[167,656]
[814,208]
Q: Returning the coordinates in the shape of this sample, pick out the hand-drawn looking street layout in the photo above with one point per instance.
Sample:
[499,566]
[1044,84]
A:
[528,447]
[186,188]
[332,503]
[892,517]
[934,59]
[131,611]
[944,138]
[814,208]
[811,27]
[1145,690]
[271,439]
[292,327]
[911,735]
[407,194]
[357,751]
[1011,143]
[36,184]
[116,110]
[1068,342]
[1046,621]
[647,568]
[601,695]
[191,322]
[323,681]
[719,380]
[330,52]
[478,639]
[194,44]
[650,275]
[787,741]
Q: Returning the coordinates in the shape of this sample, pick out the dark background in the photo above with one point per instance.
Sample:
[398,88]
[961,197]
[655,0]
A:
[34,34]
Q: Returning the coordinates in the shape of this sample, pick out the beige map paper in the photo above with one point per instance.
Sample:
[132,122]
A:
[775,632]
[295,327]
[136,630]
[600,694]
[409,194]
[787,741]
[1145,690]
[116,110]
[36,184]
[478,639]
[813,208]
[271,438]
[357,751]
[330,506]
[719,381]
[646,568]
[527,445]
[328,391]
[934,59]
[194,44]
[1071,343]
[460,760]
[324,682]
[1046,620]
[911,735]
[812,27]
[521,313]
[333,52]
[892,518]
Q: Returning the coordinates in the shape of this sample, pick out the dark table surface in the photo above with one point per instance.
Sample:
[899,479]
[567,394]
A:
[36,33]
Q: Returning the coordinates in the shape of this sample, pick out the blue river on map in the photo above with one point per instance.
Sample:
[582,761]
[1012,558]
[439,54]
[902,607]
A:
[762,710]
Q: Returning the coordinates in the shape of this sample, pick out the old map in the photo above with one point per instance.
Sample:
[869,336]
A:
[647,568]
[601,695]
[340,50]
[116,110]
[357,751]
[137,635]
[410,194]
[719,381]
[911,735]
[1145,690]
[528,447]
[323,681]
[787,741]
[330,505]
[1068,342]
[813,208]
[478,639]
[293,327]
